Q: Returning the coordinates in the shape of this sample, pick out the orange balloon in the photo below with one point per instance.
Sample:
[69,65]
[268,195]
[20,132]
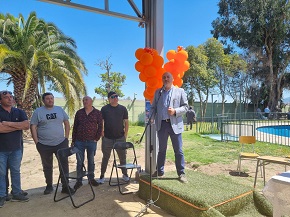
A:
[146,59]
[150,91]
[169,66]
[181,74]
[139,52]
[181,56]
[150,71]
[143,77]
[159,72]
[170,54]
[160,84]
[157,61]
[146,95]
[178,82]
[177,66]
[185,66]
[175,74]
[154,52]
[152,82]
[139,66]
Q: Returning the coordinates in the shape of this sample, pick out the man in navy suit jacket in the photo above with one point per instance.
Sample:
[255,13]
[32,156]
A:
[169,105]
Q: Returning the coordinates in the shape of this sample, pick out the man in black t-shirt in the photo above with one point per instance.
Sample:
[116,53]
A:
[116,125]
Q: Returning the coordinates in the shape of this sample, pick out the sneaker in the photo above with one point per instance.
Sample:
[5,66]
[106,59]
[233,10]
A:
[2,201]
[78,185]
[48,189]
[126,178]
[8,198]
[19,198]
[94,182]
[182,178]
[25,193]
[156,174]
[66,190]
[101,180]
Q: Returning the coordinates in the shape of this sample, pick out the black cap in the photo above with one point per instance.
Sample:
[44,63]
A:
[111,93]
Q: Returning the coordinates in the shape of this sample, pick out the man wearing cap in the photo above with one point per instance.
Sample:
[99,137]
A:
[116,125]
[169,104]
[12,122]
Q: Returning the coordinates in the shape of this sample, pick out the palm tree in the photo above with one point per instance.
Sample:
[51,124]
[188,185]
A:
[35,53]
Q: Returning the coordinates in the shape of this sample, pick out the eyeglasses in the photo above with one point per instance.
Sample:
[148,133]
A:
[114,96]
[5,92]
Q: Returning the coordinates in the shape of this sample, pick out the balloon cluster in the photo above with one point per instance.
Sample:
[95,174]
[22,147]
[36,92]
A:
[149,65]
[177,64]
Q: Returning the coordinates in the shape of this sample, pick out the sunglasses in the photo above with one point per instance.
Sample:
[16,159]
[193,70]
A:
[113,97]
[6,92]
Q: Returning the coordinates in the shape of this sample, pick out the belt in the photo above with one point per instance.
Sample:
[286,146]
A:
[166,120]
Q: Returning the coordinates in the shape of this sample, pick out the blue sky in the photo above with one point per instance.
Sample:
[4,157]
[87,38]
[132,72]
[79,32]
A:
[186,22]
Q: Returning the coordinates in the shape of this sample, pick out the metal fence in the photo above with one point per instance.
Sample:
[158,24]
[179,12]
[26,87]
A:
[274,129]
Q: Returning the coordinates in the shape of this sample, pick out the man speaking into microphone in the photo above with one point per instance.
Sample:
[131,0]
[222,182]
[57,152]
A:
[169,104]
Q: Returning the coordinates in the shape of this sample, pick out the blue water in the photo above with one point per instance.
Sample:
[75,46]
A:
[282,130]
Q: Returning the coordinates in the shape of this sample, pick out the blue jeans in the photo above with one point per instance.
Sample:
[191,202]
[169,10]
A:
[176,139]
[91,147]
[13,159]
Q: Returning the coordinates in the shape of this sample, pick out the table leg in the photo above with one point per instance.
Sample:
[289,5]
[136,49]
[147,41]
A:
[257,168]
[264,173]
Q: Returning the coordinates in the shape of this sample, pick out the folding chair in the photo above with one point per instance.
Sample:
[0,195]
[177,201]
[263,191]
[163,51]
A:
[129,148]
[66,153]
[246,140]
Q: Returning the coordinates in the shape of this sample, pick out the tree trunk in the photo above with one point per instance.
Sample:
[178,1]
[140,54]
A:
[24,102]
[270,78]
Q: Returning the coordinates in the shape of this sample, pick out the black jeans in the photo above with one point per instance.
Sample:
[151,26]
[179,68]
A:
[46,153]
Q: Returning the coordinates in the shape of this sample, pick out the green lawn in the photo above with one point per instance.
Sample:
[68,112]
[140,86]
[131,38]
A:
[202,150]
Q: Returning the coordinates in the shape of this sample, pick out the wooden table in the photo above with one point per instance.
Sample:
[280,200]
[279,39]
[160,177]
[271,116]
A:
[263,160]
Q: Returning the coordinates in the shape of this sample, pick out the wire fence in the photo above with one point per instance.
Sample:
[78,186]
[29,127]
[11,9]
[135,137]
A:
[273,129]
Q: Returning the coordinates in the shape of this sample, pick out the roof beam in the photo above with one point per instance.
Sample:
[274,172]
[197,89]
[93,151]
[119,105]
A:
[139,18]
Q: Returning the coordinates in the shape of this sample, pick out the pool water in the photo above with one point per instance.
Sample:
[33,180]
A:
[282,130]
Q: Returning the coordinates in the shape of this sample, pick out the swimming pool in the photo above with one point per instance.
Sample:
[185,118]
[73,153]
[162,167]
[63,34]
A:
[281,130]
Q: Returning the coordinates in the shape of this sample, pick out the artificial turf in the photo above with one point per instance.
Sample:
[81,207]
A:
[203,196]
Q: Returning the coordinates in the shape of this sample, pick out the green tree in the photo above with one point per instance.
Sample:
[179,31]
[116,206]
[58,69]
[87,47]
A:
[231,66]
[263,27]
[199,78]
[35,53]
[111,81]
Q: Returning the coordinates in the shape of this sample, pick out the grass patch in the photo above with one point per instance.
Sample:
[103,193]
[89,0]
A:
[210,196]
[203,151]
